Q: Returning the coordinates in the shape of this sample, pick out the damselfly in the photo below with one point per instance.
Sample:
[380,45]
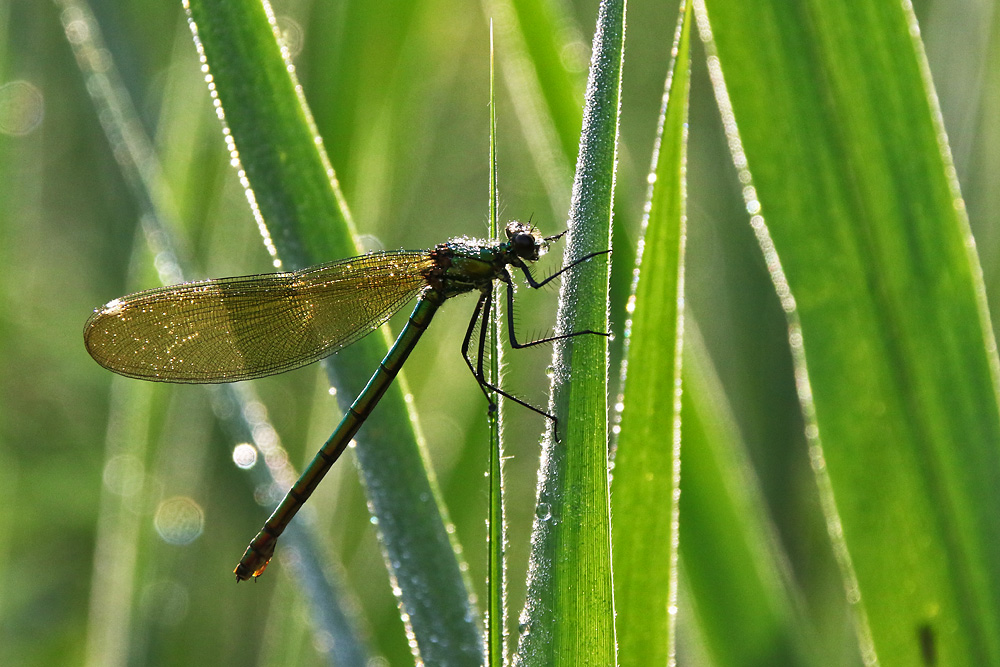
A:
[232,329]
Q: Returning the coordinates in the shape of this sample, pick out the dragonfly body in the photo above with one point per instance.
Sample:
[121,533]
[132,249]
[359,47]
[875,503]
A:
[232,329]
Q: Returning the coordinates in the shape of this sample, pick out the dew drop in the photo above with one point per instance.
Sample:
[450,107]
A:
[179,520]
[21,108]
[244,455]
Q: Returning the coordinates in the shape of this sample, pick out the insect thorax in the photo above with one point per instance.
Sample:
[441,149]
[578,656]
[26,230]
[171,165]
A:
[463,267]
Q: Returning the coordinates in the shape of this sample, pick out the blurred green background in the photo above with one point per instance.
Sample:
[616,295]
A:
[399,91]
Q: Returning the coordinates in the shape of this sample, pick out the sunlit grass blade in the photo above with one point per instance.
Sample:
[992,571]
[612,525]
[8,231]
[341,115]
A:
[647,453]
[292,188]
[496,569]
[568,615]
[896,359]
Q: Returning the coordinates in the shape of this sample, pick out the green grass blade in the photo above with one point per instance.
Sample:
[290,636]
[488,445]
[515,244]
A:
[397,89]
[116,559]
[116,548]
[744,601]
[548,40]
[533,36]
[851,171]
[568,616]
[294,195]
[307,221]
[496,568]
[646,476]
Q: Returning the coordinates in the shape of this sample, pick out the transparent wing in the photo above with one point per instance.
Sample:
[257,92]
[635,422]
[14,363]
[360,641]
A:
[232,329]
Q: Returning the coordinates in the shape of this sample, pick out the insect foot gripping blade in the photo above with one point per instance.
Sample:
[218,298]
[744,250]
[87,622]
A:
[256,557]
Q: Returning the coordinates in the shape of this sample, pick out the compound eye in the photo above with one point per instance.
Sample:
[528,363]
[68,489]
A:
[524,244]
